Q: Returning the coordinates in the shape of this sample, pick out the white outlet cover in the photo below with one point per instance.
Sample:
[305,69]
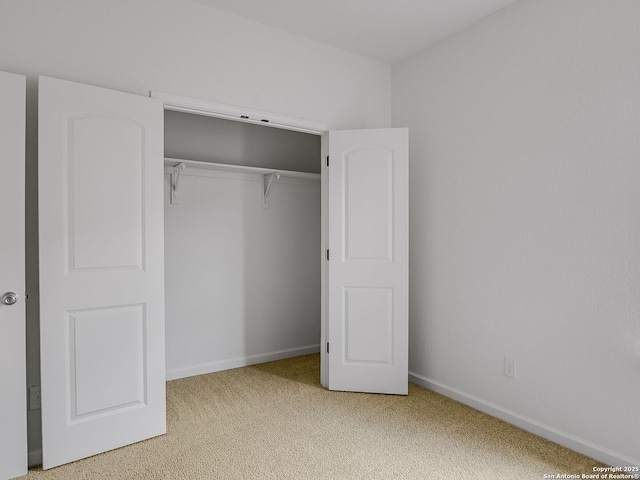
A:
[510,367]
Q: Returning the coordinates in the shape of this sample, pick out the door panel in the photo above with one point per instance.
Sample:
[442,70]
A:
[13,410]
[368,197]
[105,230]
[368,325]
[368,266]
[101,269]
[95,334]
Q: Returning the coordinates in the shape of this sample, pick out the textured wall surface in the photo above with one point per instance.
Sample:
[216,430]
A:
[524,216]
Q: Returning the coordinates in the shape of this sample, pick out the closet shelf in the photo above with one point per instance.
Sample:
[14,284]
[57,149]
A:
[176,165]
[173,162]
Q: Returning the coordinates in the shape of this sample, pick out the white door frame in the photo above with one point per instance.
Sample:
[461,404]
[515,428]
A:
[195,106]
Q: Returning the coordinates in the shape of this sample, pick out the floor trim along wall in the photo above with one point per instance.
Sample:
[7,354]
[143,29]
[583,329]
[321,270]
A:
[205,368]
[572,442]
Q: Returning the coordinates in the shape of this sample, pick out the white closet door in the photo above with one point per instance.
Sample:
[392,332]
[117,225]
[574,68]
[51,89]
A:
[368,264]
[13,410]
[101,269]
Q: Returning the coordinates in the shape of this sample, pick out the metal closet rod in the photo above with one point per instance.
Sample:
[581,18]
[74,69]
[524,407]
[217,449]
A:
[173,162]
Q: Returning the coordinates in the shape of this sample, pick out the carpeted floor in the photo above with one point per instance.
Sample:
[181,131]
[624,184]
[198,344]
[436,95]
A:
[275,421]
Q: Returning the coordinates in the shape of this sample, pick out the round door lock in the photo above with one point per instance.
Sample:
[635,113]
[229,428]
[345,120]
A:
[10,298]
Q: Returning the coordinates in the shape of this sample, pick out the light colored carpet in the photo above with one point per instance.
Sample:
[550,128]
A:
[275,421]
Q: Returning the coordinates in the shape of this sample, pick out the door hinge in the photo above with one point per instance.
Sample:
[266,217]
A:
[327,347]
[327,160]
[327,254]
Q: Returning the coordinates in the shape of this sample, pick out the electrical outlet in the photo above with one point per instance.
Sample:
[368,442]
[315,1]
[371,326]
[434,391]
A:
[510,367]
[35,399]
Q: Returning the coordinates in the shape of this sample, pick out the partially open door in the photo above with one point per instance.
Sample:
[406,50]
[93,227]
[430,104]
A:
[367,271]
[101,269]
[13,405]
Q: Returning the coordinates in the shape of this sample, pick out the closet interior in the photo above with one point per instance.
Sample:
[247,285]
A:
[242,243]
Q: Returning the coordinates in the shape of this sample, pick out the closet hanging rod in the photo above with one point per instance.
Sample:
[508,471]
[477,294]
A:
[172,162]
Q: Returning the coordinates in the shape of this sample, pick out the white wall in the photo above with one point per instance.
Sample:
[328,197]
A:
[525,231]
[184,48]
[242,282]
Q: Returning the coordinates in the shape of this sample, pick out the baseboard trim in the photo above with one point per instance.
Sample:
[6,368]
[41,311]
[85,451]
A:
[228,364]
[577,444]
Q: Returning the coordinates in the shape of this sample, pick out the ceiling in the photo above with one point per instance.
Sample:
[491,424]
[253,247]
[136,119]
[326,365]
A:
[384,30]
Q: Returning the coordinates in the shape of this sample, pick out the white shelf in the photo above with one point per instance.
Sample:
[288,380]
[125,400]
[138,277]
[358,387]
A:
[175,166]
[172,162]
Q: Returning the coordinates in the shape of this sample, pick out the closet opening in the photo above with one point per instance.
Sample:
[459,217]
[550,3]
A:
[243,237]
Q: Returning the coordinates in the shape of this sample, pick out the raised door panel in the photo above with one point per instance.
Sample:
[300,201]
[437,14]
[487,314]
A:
[105,229]
[368,326]
[94,335]
[368,196]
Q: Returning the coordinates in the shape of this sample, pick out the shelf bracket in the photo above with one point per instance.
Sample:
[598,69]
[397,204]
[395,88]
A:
[175,183]
[266,185]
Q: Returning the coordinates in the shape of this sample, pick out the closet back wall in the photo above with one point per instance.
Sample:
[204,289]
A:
[242,282]
[210,139]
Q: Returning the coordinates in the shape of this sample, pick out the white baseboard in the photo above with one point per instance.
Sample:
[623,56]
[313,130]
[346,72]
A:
[228,364]
[580,445]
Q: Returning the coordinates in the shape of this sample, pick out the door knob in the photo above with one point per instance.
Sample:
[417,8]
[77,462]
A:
[10,298]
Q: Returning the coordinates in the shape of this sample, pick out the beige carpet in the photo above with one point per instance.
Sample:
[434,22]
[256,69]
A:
[275,421]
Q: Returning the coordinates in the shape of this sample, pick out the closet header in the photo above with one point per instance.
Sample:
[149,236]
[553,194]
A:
[239,114]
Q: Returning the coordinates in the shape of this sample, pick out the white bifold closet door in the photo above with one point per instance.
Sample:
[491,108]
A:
[368,261]
[101,269]
[13,405]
